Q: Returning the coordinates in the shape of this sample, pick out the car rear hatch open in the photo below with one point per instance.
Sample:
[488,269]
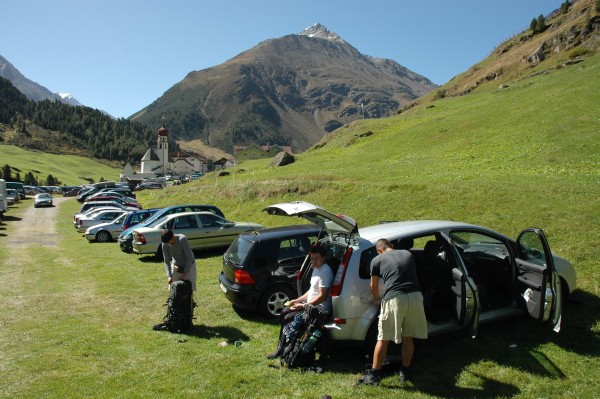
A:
[334,225]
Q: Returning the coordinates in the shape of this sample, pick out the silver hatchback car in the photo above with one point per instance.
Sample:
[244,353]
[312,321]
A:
[468,274]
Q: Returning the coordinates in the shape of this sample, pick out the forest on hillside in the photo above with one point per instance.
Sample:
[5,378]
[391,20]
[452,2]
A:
[52,126]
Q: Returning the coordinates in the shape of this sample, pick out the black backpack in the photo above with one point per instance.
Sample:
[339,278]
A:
[301,338]
[180,308]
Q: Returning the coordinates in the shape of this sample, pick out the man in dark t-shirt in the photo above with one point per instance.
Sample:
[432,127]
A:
[402,315]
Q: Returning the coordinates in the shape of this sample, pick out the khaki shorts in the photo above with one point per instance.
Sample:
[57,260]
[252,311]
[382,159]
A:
[402,316]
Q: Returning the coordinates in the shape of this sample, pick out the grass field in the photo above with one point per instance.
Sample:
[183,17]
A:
[70,170]
[77,317]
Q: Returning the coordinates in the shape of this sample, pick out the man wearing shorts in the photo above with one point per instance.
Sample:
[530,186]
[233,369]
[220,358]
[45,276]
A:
[402,315]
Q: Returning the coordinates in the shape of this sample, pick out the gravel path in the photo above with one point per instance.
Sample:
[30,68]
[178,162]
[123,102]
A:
[36,227]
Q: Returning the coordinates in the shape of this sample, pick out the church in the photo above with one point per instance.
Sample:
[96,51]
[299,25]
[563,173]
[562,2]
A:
[157,162]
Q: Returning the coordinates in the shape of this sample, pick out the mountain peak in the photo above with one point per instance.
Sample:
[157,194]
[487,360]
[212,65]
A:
[320,31]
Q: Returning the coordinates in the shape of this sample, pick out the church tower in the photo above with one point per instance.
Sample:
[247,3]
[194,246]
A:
[162,148]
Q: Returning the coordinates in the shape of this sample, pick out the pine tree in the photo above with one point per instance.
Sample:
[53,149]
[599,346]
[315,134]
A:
[541,23]
[533,26]
[6,172]
[564,7]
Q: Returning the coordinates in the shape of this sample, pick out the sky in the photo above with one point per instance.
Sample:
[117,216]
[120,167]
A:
[121,55]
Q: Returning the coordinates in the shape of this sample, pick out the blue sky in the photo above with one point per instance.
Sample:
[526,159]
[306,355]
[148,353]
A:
[121,55]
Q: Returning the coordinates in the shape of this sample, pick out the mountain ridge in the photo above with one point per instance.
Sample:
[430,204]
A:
[290,90]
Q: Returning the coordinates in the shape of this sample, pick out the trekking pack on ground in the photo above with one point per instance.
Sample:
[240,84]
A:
[300,337]
[180,308]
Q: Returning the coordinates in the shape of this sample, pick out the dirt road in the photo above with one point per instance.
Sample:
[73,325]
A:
[36,227]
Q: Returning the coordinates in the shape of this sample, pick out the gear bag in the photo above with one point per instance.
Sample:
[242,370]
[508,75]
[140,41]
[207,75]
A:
[180,308]
[300,337]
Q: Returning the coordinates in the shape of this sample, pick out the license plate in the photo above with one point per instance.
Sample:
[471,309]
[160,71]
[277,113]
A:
[223,288]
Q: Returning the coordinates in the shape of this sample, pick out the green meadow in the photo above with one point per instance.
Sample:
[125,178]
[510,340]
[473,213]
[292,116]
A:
[77,317]
[70,170]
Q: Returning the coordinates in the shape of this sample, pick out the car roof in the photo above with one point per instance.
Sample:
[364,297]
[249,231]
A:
[412,228]
[282,231]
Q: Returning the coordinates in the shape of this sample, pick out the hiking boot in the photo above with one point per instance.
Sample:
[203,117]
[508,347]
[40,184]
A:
[371,377]
[403,375]
[273,355]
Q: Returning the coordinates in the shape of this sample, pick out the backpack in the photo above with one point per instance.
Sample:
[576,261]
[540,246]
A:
[301,337]
[180,308]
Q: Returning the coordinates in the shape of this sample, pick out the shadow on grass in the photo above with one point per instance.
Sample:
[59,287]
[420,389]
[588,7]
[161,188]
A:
[441,362]
[8,218]
[229,334]
[251,315]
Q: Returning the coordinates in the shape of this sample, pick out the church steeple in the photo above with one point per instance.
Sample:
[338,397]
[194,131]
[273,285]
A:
[162,148]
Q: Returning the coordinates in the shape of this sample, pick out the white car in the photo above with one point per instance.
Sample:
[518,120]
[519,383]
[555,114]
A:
[97,218]
[468,274]
[203,230]
[43,199]
[105,232]
[91,212]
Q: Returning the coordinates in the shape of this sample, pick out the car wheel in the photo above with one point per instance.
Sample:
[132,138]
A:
[272,301]
[103,236]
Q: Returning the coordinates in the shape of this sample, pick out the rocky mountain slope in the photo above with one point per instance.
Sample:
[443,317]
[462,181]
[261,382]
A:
[31,89]
[288,91]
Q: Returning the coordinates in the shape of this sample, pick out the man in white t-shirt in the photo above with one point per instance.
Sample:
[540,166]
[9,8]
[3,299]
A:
[320,284]
[317,295]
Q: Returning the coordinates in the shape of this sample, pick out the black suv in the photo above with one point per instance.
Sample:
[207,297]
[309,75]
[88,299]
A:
[260,268]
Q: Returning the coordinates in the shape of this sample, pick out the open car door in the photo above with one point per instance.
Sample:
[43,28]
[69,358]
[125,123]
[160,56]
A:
[464,290]
[538,281]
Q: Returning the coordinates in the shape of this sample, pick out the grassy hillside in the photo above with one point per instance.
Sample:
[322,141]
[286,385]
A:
[68,169]
[525,155]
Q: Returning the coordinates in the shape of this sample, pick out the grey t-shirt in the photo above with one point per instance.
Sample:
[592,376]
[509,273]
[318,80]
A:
[181,253]
[398,271]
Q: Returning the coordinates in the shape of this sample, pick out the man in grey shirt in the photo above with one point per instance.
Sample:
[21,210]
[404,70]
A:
[180,263]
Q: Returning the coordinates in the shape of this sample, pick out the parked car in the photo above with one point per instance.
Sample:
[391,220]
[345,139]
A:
[204,230]
[12,196]
[260,268]
[148,186]
[118,200]
[126,191]
[94,209]
[99,204]
[43,199]
[137,217]
[33,190]
[126,237]
[105,232]
[111,194]
[97,218]
[468,274]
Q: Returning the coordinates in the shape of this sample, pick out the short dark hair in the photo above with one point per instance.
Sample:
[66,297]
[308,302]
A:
[318,249]
[166,235]
[383,243]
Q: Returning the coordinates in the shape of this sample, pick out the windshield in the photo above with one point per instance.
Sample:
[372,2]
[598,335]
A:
[156,222]
[238,251]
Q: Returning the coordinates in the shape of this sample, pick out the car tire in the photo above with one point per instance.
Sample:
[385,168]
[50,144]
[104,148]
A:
[103,236]
[159,253]
[272,301]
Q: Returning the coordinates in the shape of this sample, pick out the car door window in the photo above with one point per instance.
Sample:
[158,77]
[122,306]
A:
[185,222]
[292,251]
[208,221]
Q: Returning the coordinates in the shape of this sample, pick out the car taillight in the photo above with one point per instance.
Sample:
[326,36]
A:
[243,277]
[80,222]
[140,238]
[336,290]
